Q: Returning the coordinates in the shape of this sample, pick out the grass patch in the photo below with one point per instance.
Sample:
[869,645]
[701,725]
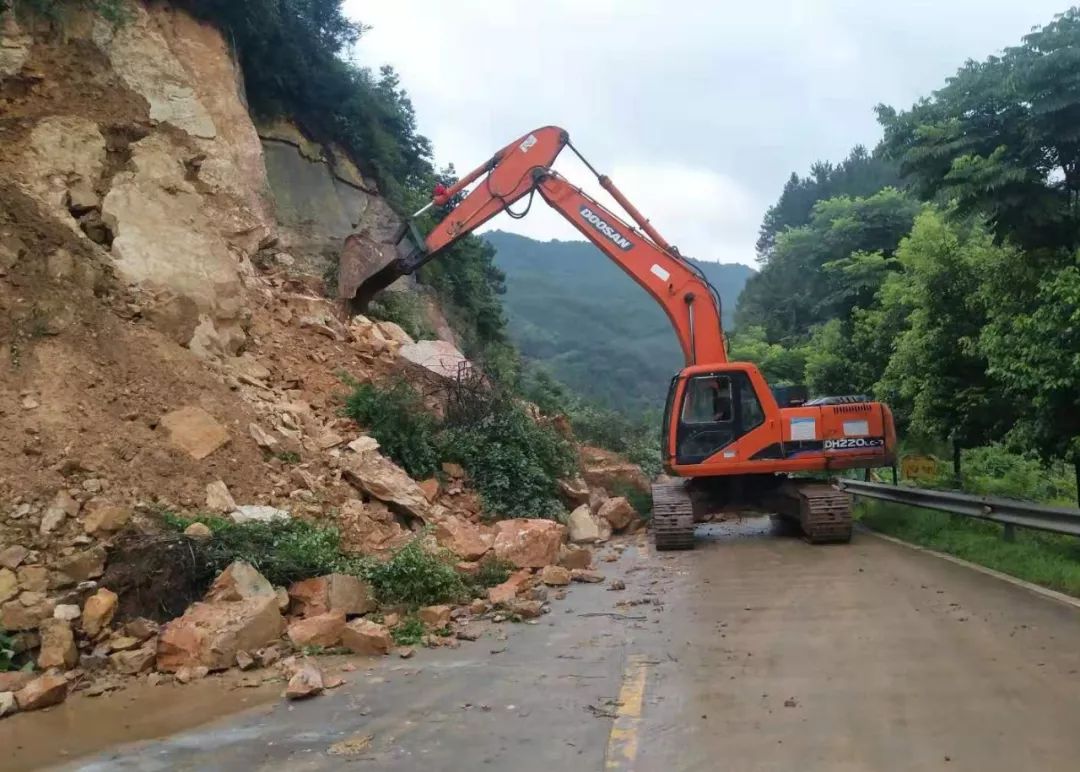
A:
[283,552]
[409,633]
[492,571]
[415,576]
[1045,559]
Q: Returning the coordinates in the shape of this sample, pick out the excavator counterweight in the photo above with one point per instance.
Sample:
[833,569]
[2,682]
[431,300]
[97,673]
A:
[724,431]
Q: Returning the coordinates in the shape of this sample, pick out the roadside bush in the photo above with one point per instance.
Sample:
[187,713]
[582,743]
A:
[493,571]
[415,576]
[514,462]
[396,417]
[283,552]
[409,633]
[405,309]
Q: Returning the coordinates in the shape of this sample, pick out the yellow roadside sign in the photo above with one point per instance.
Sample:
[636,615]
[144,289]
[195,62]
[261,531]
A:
[918,467]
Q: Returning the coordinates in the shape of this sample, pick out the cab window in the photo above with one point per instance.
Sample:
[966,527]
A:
[708,400]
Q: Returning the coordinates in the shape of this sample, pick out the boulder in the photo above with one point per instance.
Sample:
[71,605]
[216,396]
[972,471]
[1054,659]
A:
[134,661]
[218,498]
[318,630]
[573,557]
[9,584]
[306,681]
[555,576]
[393,331]
[8,704]
[618,512]
[57,645]
[240,581]
[83,566]
[586,576]
[435,617]
[14,680]
[381,478]
[254,513]
[583,526]
[435,356]
[12,557]
[463,538]
[194,431]
[210,634]
[199,532]
[98,611]
[528,543]
[263,438]
[370,528]
[526,609]
[43,692]
[333,592]
[604,469]
[508,590]
[33,578]
[103,517]
[67,612]
[15,615]
[574,492]
[430,488]
[363,636]
[61,507]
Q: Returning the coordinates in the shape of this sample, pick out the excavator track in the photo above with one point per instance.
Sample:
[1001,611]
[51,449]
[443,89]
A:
[673,516]
[822,511]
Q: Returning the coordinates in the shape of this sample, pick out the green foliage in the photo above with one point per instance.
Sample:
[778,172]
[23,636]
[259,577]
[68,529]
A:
[999,139]
[993,470]
[410,632]
[492,571]
[860,174]
[295,56]
[283,552]
[406,309]
[415,576]
[395,416]
[574,312]
[825,269]
[7,652]
[780,365]
[115,11]
[1047,559]
[513,461]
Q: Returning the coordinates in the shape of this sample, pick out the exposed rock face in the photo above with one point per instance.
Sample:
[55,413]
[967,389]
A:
[61,147]
[528,543]
[321,198]
[210,634]
[14,45]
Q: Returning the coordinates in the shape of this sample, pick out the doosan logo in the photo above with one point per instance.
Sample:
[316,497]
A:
[597,222]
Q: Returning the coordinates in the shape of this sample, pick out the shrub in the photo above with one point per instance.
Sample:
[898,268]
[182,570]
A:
[283,552]
[409,633]
[493,571]
[396,417]
[514,462]
[405,309]
[415,576]
[7,652]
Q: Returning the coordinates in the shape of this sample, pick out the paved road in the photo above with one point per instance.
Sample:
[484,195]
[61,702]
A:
[754,652]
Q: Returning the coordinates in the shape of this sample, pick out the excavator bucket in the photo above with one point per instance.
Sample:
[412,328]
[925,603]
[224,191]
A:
[369,266]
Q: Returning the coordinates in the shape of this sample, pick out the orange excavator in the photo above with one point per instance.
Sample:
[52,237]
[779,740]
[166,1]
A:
[727,440]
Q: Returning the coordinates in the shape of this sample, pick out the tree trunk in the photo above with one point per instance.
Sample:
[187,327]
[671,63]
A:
[956,461]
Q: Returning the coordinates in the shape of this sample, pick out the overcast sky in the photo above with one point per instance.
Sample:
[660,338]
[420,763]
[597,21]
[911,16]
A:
[699,111]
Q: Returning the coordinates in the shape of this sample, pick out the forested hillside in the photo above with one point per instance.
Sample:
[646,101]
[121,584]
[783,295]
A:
[941,271]
[574,312]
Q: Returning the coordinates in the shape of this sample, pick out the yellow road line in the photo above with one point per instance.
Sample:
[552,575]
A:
[622,745]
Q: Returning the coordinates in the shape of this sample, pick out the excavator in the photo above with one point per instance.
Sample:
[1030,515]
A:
[728,440]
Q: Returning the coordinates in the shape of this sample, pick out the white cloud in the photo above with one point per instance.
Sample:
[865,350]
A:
[699,110]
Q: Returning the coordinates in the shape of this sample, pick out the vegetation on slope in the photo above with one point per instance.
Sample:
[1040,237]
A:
[575,313]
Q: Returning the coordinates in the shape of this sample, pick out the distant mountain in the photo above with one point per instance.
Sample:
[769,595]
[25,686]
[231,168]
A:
[570,308]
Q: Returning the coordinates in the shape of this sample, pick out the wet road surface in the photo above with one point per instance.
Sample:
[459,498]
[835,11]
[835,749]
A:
[753,652]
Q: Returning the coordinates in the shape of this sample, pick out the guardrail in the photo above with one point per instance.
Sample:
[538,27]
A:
[1011,513]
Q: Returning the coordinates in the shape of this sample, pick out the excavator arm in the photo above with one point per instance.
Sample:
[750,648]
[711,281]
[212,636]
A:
[523,168]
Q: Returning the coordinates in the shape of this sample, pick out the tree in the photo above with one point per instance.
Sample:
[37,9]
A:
[779,365]
[860,174]
[937,377]
[1002,139]
[822,270]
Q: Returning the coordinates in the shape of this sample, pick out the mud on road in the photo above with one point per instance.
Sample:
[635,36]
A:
[753,652]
